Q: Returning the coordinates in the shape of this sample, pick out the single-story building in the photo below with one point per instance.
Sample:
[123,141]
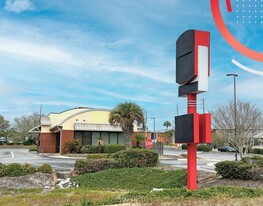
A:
[82,123]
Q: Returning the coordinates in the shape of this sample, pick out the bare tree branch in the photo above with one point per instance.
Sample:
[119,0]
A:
[249,123]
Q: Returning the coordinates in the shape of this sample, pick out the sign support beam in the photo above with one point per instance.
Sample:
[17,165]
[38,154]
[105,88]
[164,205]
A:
[191,149]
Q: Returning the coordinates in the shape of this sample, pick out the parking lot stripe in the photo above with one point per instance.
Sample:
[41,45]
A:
[13,156]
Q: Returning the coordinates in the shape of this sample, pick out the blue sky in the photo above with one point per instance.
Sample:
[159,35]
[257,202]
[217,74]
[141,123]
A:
[97,53]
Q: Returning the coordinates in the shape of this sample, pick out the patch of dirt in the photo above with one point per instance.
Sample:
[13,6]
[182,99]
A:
[36,180]
[209,179]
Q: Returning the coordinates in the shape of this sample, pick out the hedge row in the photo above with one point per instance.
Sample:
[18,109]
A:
[122,159]
[98,156]
[16,169]
[258,160]
[255,150]
[234,170]
[204,148]
[92,165]
[248,168]
[135,158]
[110,148]
[74,146]
[200,147]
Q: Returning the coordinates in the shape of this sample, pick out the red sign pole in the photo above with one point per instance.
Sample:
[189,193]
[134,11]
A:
[191,149]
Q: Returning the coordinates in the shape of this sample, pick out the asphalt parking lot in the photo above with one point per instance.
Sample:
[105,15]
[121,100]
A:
[206,160]
[22,156]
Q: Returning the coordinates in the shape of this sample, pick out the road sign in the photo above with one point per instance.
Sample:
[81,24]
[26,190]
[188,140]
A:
[149,143]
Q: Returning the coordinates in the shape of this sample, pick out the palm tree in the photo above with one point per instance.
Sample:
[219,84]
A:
[167,124]
[125,114]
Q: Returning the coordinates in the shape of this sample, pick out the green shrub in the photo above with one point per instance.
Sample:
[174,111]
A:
[98,156]
[112,148]
[72,146]
[204,148]
[257,166]
[14,170]
[89,149]
[45,168]
[10,143]
[2,167]
[28,142]
[29,168]
[254,160]
[256,151]
[92,165]
[135,158]
[234,170]
[184,146]
[33,149]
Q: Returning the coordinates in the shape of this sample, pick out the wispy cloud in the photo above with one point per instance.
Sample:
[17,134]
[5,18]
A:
[140,98]
[36,50]
[56,103]
[18,6]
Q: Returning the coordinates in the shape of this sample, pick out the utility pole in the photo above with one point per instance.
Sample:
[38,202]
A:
[145,126]
[154,128]
[235,107]
[40,113]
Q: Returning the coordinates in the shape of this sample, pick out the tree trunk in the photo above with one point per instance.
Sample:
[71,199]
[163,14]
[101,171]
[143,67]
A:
[241,154]
[127,139]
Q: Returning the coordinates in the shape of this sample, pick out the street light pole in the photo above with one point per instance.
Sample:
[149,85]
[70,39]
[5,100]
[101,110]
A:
[235,107]
[154,128]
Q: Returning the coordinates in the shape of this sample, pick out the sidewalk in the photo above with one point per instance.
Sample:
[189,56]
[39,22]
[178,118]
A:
[58,156]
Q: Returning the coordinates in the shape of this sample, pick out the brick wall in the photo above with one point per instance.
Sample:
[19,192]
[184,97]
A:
[47,143]
[67,135]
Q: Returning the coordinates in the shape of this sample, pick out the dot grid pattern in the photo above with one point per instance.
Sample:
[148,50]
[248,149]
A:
[248,11]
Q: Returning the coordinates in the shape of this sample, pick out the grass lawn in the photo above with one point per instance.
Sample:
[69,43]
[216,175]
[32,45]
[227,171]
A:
[132,186]
[138,179]
[57,197]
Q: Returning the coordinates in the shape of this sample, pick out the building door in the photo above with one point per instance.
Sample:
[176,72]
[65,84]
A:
[57,142]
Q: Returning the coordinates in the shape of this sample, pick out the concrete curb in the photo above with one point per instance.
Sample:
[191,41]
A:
[60,156]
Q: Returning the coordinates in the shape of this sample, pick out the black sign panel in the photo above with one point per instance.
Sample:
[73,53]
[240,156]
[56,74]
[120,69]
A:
[185,128]
[185,46]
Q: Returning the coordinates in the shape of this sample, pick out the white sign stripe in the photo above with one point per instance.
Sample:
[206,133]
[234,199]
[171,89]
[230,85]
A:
[241,66]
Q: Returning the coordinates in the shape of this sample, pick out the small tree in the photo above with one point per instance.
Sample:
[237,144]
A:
[23,124]
[138,138]
[4,126]
[218,139]
[248,124]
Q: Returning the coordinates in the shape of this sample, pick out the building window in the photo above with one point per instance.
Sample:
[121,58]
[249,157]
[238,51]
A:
[105,136]
[95,138]
[91,138]
[113,138]
[85,138]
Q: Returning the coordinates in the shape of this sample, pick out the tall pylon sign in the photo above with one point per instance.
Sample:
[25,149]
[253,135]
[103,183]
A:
[192,72]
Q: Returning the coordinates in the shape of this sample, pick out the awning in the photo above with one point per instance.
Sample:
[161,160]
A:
[96,127]
[36,129]
[45,121]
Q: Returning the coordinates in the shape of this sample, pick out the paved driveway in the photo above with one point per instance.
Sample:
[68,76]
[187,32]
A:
[205,162]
